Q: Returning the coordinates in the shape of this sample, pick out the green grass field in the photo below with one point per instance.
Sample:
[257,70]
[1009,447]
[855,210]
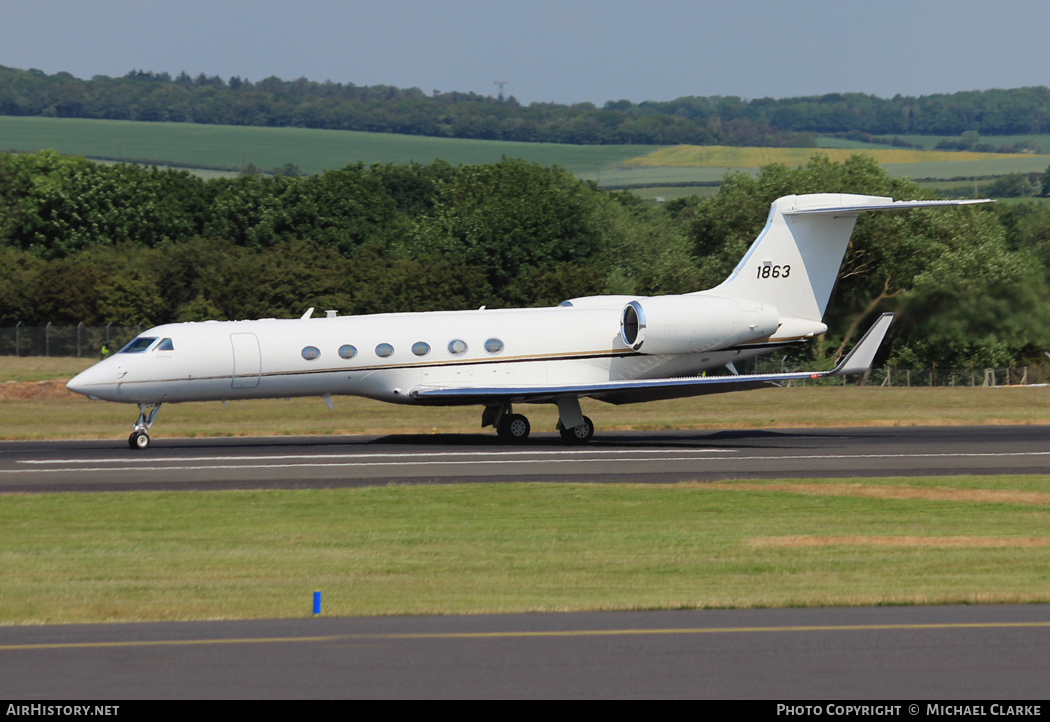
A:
[233,147]
[484,548]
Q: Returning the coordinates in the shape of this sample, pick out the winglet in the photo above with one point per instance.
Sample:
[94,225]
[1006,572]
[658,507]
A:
[860,358]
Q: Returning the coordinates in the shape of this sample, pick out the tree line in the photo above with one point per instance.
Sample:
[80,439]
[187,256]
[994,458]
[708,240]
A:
[697,120]
[302,103]
[987,112]
[83,242]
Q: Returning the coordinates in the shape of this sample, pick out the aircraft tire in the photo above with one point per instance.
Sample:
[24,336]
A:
[579,434]
[514,428]
[138,440]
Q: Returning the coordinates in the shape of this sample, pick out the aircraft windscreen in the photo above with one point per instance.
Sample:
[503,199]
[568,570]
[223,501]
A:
[138,345]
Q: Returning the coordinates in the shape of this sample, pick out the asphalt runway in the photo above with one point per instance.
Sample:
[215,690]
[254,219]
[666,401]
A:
[892,653]
[904,653]
[636,457]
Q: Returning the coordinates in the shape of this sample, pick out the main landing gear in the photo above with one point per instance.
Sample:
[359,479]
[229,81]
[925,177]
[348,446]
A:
[574,427]
[579,434]
[513,428]
[139,438]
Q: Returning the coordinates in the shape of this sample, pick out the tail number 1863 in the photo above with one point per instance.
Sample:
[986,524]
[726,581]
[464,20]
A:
[774,271]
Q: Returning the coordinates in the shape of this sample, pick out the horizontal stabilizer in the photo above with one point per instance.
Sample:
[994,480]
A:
[891,206]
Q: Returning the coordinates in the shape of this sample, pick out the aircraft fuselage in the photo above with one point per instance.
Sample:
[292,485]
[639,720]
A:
[383,356]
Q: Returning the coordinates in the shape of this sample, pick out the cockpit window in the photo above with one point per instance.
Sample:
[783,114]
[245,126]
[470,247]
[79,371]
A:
[165,345]
[139,345]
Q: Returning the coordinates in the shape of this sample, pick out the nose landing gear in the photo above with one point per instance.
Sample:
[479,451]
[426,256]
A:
[139,438]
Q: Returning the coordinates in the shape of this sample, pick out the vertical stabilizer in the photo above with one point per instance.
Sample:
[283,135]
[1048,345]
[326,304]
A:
[796,258]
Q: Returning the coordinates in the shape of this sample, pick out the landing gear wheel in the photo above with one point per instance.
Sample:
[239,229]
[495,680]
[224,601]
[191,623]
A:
[514,428]
[578,434]
[138,440]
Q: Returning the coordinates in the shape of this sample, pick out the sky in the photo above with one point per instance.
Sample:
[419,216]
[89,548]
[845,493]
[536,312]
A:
[563,51]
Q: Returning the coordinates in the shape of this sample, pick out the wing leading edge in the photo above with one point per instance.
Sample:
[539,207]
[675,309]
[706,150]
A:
[857,361]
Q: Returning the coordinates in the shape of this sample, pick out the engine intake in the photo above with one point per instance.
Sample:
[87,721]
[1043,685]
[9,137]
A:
[692,324]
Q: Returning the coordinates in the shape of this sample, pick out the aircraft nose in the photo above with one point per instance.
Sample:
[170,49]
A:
[89,382]
[78,383]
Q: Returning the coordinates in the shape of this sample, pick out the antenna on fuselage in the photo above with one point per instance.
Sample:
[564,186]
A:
[308,314]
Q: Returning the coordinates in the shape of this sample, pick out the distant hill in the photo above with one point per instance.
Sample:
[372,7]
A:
[692,120]
[273,102]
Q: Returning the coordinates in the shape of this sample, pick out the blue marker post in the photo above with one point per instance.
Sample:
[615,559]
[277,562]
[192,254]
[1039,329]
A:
[317,603]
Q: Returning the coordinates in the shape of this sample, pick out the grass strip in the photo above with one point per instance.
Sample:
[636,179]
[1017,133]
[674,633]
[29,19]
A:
[486,548]
[49,412]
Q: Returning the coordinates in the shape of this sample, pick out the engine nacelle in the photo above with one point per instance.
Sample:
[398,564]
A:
[692,324]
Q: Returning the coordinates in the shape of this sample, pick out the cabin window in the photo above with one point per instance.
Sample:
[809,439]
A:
[165,345]
[493,345]
[138,345]
[421,348]
[457,347]
[384,350]
[311,352]
[347,351]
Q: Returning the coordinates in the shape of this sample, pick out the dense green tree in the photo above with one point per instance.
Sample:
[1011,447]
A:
[643,250]
[1027,227]
[381,282]
[55,206]
[19,281]
[510,217]
[973,295]
[191,277]
[1012,185]
[340,209]
[66,292]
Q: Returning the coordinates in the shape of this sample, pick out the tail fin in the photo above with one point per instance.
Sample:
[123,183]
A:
[795,260]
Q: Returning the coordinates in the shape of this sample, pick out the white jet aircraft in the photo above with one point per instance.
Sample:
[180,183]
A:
[618,349]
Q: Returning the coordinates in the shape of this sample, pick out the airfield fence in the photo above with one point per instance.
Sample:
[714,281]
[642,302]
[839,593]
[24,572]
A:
[83,341]
[894,375]
[80,341]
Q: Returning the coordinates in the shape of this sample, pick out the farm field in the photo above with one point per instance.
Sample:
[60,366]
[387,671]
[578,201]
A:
[696,156]
[211,149]
[695,164]
[929,141]
[232,147]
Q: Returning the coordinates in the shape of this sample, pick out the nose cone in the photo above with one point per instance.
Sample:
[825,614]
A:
[79,383]
[94,382]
